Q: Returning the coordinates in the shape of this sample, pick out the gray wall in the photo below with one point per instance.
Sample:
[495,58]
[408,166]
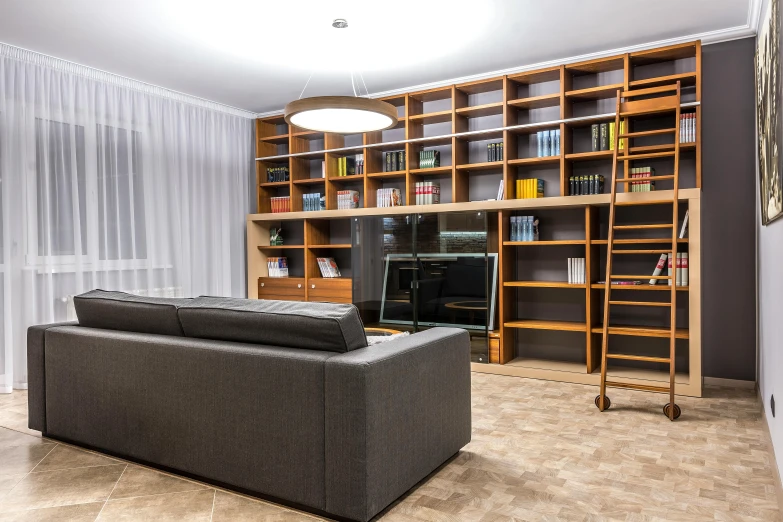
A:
[729,210]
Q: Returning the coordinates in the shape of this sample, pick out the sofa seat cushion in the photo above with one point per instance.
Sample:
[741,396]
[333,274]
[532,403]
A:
[128,312]
[315,326]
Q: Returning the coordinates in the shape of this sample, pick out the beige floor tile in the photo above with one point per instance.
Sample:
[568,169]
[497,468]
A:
[22,459]
[7,483]
[229,507]
[65,457]
[75,513]
[62,488]
[10,438]
[193,506]
[138,482]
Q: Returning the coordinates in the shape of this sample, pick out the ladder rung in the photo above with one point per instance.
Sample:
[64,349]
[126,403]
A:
[638,277]
[655,132]
[643,202]
[650,90]
[639,303]
[638,358]
[643,180]
[642,227]
[642,241]
[649,155]
[656,251]
[643,387]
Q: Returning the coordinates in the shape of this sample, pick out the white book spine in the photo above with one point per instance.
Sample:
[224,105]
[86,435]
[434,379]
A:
[684,225]
[659,268]
[684,269]
[678,272]
[582,271]
[669,270]
[570,270]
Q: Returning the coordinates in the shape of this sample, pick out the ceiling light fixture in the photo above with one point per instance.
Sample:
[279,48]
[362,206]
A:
[341,114]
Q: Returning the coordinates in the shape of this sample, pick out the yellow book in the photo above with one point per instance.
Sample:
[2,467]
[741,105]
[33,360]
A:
[518,194]
[622,131]
[611,136]
[527,189]
[530,192]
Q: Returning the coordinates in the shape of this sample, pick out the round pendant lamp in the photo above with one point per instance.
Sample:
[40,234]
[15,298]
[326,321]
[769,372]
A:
[341,114]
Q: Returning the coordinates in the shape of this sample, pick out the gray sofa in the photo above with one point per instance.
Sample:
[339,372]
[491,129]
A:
[282,400]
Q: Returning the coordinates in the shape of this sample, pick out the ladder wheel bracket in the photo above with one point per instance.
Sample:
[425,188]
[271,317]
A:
[607,402]
[677,410]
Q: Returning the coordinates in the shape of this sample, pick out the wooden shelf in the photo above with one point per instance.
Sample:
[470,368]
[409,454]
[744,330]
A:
[550,74]
[589,156]
[655,241]
[479,111]
[488,165]
[641,331]
[595,93]
[642,287]
[279,139]
[308,135]
[542,284]
[530,324]
[274,184]
[387,175]
[347,179]
[545,364]
[545,243]
[685,79]
[536,102]
[612,63]
[281,247]
[432,117]
[534,161]
[347,245]
[309,181]
[431,171]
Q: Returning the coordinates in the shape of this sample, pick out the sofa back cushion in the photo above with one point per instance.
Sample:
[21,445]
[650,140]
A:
[128,312]
[314,326]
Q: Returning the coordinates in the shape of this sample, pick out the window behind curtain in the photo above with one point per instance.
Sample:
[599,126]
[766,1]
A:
[122,225]
[61,188]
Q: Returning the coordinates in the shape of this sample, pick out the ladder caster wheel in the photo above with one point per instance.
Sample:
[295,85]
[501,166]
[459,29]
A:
[677,410]
[607,402]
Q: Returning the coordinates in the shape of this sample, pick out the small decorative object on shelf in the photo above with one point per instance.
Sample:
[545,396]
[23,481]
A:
[313,202]
[347,199]
[429,159]
[688,127]
[360,163]
[275,237]
[394,161]
[576,270]
[530,188]
[427,193]
[281,204]
[524,228]
[643,186]
[548,143]
[585,185]
[495,151]
[328,267]
[388,197]
[277,266]
[276,174]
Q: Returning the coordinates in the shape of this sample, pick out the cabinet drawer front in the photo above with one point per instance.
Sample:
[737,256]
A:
[281,288]
[333,290]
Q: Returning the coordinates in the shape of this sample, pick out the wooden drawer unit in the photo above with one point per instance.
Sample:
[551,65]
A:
[281,288]
[336,290]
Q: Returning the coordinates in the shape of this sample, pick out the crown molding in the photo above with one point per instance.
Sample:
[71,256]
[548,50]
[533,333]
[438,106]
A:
[711,37]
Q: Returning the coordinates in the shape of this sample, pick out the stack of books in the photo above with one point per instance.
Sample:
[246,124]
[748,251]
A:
[346,166]
[495,151]
[523,228]
[576,270]
[678,264]
[548,143]
[312,202]
[328,267]
[281,204]
[427,193]
[388,197]
[688,127]
[602,136]
[277,266]
[429,159]
[642,186]
[347,199]
[530,188]
[585,185]
[360,163]
[394,161]
[275,174]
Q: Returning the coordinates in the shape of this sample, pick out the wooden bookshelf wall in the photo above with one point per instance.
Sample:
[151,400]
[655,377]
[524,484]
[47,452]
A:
[457,118]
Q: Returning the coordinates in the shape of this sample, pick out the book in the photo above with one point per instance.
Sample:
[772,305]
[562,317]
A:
[557,142]
[604,136]
[611,136]
[684,269]
[621,141]
[347,199]
[684,228]
[277,266]
[501,150]
[540,143]
[659,268]
[547,143]
[670,268]
[678,271]
[501,194]
[595,137]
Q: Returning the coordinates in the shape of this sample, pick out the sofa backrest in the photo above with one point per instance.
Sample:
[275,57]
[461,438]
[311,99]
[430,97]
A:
[129,313]
[315,326]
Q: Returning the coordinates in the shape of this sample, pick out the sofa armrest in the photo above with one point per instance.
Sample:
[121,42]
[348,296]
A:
[394,413]
[36,375]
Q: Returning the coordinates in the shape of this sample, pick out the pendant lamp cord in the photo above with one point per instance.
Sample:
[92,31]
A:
[353,86]
[306,84]
[365,85]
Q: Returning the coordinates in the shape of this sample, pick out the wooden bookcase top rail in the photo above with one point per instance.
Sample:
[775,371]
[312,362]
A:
[477,206]
[389,145]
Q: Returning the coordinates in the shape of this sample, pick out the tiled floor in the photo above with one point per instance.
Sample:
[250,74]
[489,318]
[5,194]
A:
[540,451]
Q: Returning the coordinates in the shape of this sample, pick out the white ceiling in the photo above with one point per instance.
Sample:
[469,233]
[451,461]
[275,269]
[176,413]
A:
[258,54]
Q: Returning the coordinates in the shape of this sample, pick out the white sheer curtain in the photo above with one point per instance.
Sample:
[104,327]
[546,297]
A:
[109,183]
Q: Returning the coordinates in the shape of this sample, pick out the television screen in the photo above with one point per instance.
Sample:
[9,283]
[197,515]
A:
[440,290]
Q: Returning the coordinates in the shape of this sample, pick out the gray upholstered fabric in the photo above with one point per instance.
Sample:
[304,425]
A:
[128,312]
[249,416]
[394,413]
[36,389]
[315,326]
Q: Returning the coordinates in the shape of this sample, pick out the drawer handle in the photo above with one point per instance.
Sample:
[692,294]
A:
[313,286]
[299,285]
[262,284]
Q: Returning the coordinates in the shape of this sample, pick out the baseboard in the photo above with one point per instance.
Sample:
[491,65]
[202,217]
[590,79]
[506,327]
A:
[775,470]
[730,383]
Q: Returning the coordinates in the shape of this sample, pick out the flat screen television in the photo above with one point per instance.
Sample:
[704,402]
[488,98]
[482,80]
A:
[440,290]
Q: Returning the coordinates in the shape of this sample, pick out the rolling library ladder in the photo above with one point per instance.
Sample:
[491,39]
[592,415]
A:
[651,101]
